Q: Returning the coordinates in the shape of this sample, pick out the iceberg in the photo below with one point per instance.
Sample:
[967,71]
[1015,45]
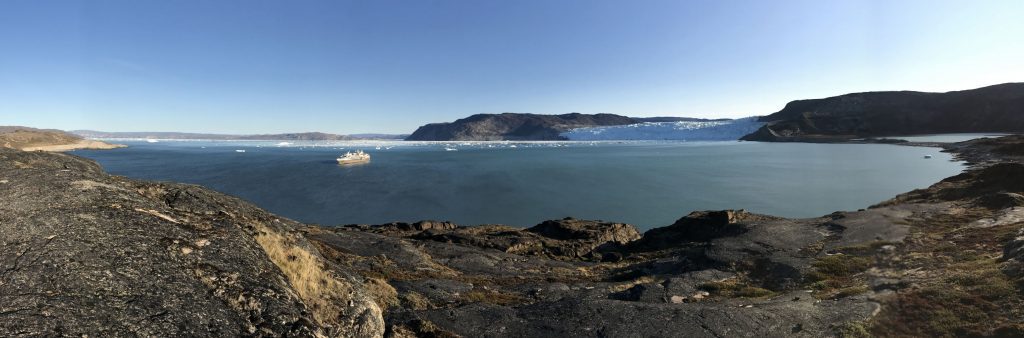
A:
[717,130]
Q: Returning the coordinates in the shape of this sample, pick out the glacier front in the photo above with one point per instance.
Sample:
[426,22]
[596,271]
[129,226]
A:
[715,130]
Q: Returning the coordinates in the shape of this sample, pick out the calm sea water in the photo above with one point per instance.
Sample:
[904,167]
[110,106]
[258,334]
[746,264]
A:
[648,184]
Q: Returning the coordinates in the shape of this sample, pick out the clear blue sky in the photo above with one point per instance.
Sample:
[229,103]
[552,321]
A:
[388,66]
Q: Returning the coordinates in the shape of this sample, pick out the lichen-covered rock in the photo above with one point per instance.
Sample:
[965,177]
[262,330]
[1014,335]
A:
[1013,255]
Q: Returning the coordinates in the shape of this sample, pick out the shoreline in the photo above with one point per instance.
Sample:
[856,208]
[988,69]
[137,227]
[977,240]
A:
[81,144]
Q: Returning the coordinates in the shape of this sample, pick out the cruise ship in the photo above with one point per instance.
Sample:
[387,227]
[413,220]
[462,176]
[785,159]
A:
[357,156]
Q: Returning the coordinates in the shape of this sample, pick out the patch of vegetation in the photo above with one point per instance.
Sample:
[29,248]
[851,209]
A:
[934,311]
[414,300]
[812,249]
[492,297]
[840,265]
[838,275]
[383,293]
[732,288]
[863,249]
[959,288]
[306,272]
[627,285]
[851,291]
[853,330]
[982,278]
[422,328]
[752,292]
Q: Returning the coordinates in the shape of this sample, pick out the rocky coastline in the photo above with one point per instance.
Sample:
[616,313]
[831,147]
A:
[87,253]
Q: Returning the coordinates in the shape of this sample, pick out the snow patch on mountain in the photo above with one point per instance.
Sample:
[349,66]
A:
[721,130]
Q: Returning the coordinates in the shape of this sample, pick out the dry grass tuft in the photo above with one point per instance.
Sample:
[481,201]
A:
[324,294]
[382,293]
[492,297]
[415,301]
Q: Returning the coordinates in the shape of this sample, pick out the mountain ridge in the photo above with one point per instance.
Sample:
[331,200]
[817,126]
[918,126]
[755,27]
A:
[525,126]
[997,109]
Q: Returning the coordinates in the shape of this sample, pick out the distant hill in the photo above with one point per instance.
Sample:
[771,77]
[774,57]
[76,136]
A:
[998,108]
[312,136]
[514,126]
[26,138]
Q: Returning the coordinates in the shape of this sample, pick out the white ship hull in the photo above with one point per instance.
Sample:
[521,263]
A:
[352,160]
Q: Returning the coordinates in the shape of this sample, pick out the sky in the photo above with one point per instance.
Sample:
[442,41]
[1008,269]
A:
[339,66]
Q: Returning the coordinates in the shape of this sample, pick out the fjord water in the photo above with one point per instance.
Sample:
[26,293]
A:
[648,184]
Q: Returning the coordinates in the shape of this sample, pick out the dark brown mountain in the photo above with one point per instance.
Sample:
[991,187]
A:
[998,108]
[513,126]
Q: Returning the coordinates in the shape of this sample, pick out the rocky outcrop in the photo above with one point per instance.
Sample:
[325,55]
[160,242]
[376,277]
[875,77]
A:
[1013,254]
[595,231]
[567,238]
[698,226]
[556,278]
[88,254]
[512,126]
[998,108]
[996,186]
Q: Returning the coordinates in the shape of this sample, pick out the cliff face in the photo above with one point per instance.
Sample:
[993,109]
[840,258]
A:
[511,126]
[998,108]
[85,253]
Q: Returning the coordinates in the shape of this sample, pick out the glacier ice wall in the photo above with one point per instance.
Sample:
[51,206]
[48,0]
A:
[683,130]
